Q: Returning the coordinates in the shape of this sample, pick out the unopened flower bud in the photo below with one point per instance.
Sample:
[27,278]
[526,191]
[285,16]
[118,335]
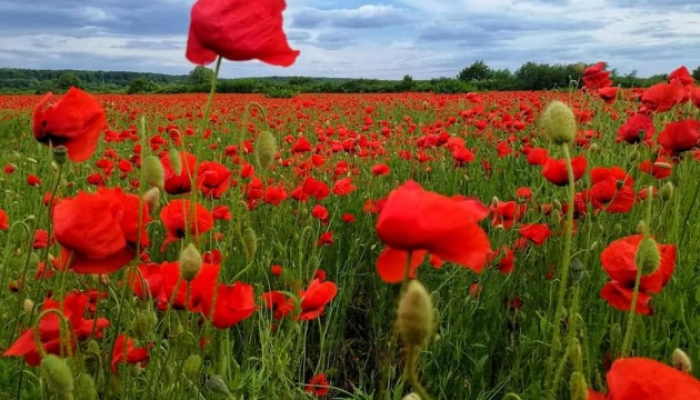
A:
[634,156]
[60,154]
[576,270]
[559,122]
[411,396]
[250,242]
[556,204]
[415,314]
[191,367]
[681,361]
[265,150]
[667,191]
[57,377]
[648,257]
[28,306]
[594,147]
[143,324]
[190,262]
[85,387]
[216,384]
[152,198]
[175,161]
[641,227]
[153,172]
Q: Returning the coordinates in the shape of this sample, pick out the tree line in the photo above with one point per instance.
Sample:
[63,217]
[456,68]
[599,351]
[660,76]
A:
[476,77]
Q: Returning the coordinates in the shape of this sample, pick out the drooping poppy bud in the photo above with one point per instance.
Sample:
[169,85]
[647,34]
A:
[153,172]
[85,388]
[57,376]
[190,263]
[250,242]
[265,150]
[681,361]
[648,257]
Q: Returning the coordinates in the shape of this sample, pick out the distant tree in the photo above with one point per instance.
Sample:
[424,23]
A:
[66,80]
[478,71]
[407,84]
[696,75]
[200,76]
[140,85]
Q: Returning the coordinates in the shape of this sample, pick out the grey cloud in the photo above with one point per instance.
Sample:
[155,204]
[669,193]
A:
[152,45]
[365,16]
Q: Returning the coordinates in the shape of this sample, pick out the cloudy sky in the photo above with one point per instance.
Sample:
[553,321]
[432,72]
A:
[363,38]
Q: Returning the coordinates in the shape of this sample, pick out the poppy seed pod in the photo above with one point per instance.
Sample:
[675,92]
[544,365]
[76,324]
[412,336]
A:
[415,315]
[559,123]
[60,154]
[57,377]
[265,150]
[153,172]
[648,257]
[681,361]
[190,262]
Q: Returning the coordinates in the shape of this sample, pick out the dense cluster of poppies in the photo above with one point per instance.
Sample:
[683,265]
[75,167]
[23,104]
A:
[117,225]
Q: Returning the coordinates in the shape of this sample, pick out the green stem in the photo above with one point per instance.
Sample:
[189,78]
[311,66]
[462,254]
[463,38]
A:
[627,341]
[410,373]
[386,368]
[565,263]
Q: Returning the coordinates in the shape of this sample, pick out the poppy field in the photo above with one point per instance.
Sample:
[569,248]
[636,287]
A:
[149,252]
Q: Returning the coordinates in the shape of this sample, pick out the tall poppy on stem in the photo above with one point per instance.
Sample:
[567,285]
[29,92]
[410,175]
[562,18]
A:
[75,121]
[417,221]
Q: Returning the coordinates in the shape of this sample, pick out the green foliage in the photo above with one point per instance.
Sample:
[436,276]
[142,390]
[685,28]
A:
[696,74]
[478,71]
[280,92]
[200,76]
[66,80]
[140,85]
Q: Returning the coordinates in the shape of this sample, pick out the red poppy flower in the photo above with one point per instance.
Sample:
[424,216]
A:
[320,212]
[75,121]
[595,78]
[213,179]
[380,169]
[638,127]
[239,30]
[33,180]
[175,219]
[343,187]
[98,232]
[275,195]
[124,345]
[537,233]
[618,261]
[318,385]
[608,94]
[659,169]
[278,303]
[315,298]
[315,188]
[4,220]
[234,303]
[662,96]
[537,156]
[74,307]
[611,190]
[416,220]
[680,136]
[221,212]
[645,379]
[178,183]
[555,170]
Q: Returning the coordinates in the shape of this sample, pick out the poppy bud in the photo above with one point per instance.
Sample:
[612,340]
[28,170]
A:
[594,147]
[559,122]
[152,198]
[667,191]
[648,257]
[85,387]
[143,324]
[415,315]
[250,242]
[556,215]
[175,161]
[153,172]
[664,165]
[495,201]
[411,396]
[641,226]
[190,262]
[60,154]
[216,384]
[265,150]
[556,204]
[57,377]
[578,386]
[681,361]
[191,367]
[28,306]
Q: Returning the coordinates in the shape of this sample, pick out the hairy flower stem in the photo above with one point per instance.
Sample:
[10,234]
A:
[564,276]
[627,341]
[386,368]
[412,353]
